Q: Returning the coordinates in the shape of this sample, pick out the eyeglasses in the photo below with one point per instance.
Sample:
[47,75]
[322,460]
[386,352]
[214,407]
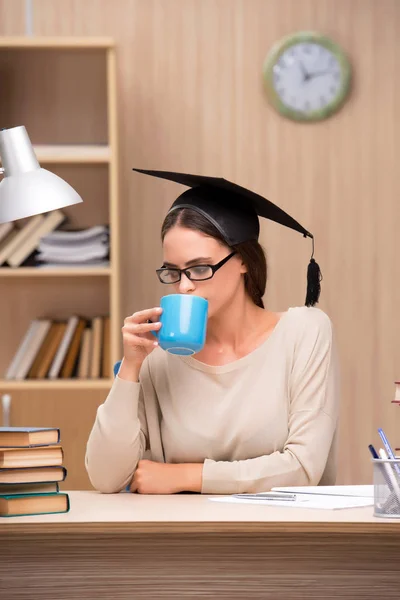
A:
[196,273]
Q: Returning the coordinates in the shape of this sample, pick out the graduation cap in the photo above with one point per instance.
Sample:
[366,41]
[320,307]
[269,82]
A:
[234,211]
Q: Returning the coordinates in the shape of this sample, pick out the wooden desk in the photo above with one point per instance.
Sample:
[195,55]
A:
[130,546]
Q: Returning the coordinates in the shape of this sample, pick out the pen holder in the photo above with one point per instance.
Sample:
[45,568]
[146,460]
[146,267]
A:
[386,487]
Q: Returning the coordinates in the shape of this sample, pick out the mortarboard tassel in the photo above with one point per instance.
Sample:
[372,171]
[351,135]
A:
[314,277]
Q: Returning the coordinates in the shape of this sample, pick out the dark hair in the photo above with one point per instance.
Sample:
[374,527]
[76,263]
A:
[251,253]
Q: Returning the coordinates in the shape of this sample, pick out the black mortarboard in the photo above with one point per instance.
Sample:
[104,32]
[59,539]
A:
[234,211]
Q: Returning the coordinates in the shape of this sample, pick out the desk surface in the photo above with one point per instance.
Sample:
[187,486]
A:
[134,513]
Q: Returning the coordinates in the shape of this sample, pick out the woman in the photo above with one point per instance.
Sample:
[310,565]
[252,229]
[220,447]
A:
[257,406]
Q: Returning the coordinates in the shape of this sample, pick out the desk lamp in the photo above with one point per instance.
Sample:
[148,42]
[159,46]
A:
[26,188]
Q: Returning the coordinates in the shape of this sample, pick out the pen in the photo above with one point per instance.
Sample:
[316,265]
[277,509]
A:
[267,496]
[388,448]
[373,451]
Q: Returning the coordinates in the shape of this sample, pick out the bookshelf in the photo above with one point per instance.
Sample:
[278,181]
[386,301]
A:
[64,91]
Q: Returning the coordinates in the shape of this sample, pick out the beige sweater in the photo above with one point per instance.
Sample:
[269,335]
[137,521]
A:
[267,419]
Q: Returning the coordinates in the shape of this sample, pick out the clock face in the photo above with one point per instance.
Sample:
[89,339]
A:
[307,77]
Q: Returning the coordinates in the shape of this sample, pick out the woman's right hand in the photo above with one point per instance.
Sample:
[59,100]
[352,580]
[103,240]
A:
[137,339]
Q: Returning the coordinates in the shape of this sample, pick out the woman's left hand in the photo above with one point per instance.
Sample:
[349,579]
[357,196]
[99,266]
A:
[159,478]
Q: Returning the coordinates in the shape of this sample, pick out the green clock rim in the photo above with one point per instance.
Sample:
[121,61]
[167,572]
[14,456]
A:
[273,56]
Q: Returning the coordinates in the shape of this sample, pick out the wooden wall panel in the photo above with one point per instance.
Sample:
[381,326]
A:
[12,17]
[191,98]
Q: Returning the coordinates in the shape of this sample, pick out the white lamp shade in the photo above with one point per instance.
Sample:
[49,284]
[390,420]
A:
[27,189]
[33,193]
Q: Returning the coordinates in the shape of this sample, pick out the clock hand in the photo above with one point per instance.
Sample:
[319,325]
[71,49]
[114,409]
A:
[317,74]
[305,74]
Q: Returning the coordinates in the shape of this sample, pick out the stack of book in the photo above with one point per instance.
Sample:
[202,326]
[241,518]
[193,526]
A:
[39,242]
[74,248]
[30,471]
[72,348]
[18,244]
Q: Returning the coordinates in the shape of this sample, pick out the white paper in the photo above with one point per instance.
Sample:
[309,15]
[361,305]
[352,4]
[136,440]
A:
[304,501]
[360,491]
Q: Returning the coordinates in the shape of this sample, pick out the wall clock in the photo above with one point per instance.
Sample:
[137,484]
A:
[307,76]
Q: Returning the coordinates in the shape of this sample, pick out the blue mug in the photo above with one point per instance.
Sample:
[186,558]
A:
[183,324]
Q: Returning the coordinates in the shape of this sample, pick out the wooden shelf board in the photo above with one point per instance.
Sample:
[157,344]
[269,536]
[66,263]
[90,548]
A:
[7,385]
[55,272]
[72,154]
[51,42]
[59,154]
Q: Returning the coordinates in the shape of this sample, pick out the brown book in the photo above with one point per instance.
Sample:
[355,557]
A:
[50,222]
[32,475]
[21,235]
[37,456]
[106,366]
[25,437]
[73,350]
[36,504]
[35,343]
[5,230]
[95,359]
[6,241]
[29,488]
[33,371]
[84,355]
[22,349]
[51,350]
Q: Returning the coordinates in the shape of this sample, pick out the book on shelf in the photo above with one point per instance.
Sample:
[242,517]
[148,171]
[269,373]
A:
[47,351]
[76,347]
[72,353]
[106,347]
[28,349]
[5,230]
[40,242]
[24,249]
[20,237]
[6,241]
[30,471]
[74,324]
[75,247]
[67,236]
[85,354]
[95,359]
